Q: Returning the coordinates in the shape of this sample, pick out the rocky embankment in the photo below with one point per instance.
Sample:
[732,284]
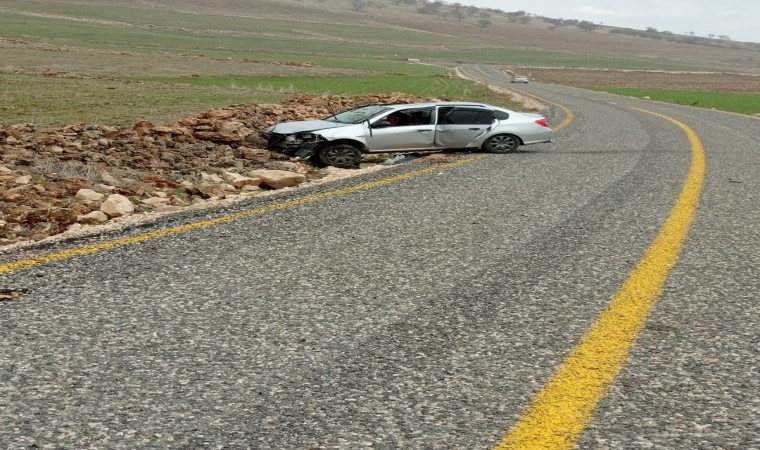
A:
[61,180]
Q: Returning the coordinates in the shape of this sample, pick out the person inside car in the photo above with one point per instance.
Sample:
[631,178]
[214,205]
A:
[400,119]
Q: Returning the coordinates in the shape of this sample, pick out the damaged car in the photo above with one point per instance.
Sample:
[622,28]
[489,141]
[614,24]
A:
[340,139]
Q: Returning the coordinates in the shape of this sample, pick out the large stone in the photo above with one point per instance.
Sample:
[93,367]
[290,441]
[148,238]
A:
[16,193]
[143,127]
[89,195]
[50,214]
[283,165]
[231,176]
[85,208]
[278,179]
[208,191]
[211,178]
[105,187]
[117,205]
[43,230]
[25,179]
[155,201]
[93,217]
[246,181]
[255,154]
[222,132]
[109,179]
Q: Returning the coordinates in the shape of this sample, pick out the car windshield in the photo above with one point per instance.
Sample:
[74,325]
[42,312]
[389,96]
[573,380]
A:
[358,115]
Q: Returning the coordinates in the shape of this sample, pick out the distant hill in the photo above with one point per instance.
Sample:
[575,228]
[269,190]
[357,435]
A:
[510,30]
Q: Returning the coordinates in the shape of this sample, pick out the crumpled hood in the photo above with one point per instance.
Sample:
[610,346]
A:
[305,125]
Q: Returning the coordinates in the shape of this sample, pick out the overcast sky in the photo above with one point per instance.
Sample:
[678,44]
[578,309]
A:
[737,19]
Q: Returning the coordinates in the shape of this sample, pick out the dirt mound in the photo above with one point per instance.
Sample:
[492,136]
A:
[54,180]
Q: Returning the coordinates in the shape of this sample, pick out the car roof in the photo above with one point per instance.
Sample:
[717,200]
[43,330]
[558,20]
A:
[429,104]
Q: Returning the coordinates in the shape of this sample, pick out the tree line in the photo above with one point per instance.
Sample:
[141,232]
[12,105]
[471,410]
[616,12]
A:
[459,12]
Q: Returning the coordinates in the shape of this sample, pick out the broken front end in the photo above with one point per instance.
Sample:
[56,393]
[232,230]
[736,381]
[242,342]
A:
[301,144]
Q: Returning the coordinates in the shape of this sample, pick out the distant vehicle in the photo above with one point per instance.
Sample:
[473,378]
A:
[520,79]
[340,140]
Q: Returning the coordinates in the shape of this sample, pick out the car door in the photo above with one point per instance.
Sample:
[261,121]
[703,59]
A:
[460,125]
[405,129]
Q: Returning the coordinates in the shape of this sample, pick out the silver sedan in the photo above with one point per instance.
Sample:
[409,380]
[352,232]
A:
[340,140]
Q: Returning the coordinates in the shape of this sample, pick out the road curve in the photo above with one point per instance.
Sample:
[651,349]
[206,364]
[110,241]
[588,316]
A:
[689,382]
[422,312]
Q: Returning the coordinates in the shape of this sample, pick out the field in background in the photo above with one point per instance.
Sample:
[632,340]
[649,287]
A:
[724,101]
[102,63]
[726,92]
[63,64]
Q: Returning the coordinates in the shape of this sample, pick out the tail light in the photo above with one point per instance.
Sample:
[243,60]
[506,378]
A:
[543,122]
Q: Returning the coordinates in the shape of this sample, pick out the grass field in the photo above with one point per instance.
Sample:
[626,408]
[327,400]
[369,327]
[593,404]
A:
[120,65]
[63,63]
[125,29]
[46,102]
[724,101]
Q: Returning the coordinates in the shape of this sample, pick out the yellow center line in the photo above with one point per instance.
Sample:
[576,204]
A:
[95,248]
[564,407]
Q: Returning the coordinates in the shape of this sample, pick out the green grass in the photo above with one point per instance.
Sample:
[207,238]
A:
[723,101]
[48,102]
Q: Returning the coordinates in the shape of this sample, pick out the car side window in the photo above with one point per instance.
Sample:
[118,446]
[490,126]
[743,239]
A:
[501,115]
[422,116]
[468,117]
[442,112]
[407,117]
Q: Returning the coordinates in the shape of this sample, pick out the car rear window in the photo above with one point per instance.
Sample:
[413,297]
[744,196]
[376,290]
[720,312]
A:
[501,115]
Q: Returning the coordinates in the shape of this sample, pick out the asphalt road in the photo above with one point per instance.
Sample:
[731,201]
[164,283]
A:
[421,313]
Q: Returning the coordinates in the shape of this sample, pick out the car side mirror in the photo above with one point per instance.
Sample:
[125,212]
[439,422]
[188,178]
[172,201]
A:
[381,124]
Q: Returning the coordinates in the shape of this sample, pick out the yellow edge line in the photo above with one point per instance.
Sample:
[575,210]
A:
[95,248]
[564,407]
[569,116]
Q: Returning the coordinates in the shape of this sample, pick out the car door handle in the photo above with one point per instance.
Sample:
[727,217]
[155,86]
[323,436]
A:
[474,129]
[424,131]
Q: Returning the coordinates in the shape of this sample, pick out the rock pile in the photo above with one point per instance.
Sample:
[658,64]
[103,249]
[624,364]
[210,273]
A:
[54,180]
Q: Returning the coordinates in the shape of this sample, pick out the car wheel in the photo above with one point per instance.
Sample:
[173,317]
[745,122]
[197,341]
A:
[501,143]
[344,156]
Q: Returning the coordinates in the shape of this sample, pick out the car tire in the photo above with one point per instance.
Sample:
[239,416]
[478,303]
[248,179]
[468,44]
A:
[345,156]
[501,143]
